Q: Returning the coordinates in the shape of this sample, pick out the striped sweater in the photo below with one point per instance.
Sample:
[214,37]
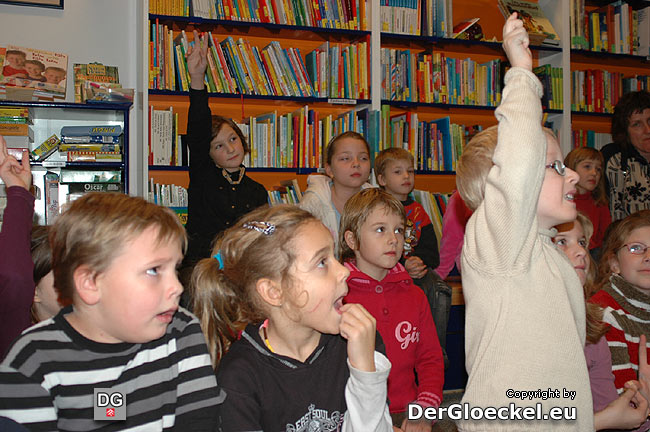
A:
[627,311]
[49,375]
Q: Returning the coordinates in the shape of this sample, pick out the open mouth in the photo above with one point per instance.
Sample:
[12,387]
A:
[166,316]
[338,304]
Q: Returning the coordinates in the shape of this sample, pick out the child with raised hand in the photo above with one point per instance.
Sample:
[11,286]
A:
[114,259]
[591,198]
[525,310]
[347,164]
[219,192]
[303,357]
[611,411]
[16,285]
[624,282]
[372,240]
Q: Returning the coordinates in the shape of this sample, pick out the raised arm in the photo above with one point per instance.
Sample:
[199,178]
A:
[501,230]
[16,267]
[199,117]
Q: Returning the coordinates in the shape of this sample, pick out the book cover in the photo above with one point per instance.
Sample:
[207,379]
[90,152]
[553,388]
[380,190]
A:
[464,26]
[106,130]
[94,72]
[43,70]
[534,20]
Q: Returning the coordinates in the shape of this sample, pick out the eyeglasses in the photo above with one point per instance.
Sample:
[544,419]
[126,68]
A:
[558,166]
[635,248]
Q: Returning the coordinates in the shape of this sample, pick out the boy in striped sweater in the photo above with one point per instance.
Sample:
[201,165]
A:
[121,355]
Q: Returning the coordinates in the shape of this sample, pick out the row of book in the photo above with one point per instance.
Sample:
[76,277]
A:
[435,204]
[15,126]
[417,17]
[331,70]
[435,78]
[615,28]
[169,195]
[298,139]
[165,145]
[339,14]
[552,80]
[435,145]
[597,90]
[589,138]
[288,192]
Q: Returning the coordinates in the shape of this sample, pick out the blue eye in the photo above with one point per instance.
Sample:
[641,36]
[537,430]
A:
[153,271]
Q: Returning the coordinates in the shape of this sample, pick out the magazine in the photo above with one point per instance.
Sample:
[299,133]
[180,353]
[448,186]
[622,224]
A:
[92,72]
[44,71]
[538,26]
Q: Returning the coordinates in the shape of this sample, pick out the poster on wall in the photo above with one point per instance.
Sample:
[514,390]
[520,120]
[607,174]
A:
[56,4]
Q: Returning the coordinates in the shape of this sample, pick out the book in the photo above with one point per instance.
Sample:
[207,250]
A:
[90,147]
[540,29]
[45,71]
[93,72]
[91,139]
[104,130]
[48,147]
[93,156]
[463,27]
[16,129]
[84,187]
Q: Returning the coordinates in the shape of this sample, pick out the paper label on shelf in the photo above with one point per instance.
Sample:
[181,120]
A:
[342,101]
[53,164]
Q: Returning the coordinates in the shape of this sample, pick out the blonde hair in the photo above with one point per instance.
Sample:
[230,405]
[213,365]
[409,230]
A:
[356,211]
[475,164]
[615,237]
[390,155]
[225,298]
[577,155]
[94,229]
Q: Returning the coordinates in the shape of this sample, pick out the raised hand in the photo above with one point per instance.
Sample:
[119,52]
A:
[359,328]
[644,368]
[515,43]
[12,172]
[627,411]
[197,61]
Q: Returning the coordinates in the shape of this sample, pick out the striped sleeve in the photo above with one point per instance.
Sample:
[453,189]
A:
[199,396]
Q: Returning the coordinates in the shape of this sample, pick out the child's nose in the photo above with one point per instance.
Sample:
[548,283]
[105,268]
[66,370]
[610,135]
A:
[572,176]
[175,287]
[344,272]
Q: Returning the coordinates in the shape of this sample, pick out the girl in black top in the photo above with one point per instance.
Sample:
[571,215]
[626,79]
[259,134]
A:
[220,192]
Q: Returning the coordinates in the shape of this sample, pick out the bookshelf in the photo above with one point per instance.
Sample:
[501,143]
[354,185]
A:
[307,38]
[47,119]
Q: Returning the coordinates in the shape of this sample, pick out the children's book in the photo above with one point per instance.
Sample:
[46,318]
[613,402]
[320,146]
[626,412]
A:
[45,71]
[463,27]
[93,72]
[538,26]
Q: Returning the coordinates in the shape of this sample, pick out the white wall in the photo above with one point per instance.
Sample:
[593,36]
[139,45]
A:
[104,31]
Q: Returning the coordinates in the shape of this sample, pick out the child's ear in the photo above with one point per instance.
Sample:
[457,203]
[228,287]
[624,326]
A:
[328,171]
[381,180]
[350,240]
[37,299]
[614,265]
[270,291]
[85,283]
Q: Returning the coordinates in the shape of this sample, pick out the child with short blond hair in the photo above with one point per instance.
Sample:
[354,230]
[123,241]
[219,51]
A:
[372,240]
[525,310]
[114,259]
[395,173]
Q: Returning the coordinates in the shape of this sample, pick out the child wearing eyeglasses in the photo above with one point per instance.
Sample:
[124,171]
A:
[624,273]
[525,310]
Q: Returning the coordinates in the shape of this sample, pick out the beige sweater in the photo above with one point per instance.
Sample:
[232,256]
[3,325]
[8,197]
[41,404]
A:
[525,311]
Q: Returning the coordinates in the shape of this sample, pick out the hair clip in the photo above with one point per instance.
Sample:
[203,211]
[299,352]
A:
[265,228]
[219,258]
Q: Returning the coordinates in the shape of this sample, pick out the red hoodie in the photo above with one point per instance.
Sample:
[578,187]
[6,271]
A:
[405,324]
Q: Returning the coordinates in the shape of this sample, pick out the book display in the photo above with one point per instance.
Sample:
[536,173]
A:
[75,148]
[281,71]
